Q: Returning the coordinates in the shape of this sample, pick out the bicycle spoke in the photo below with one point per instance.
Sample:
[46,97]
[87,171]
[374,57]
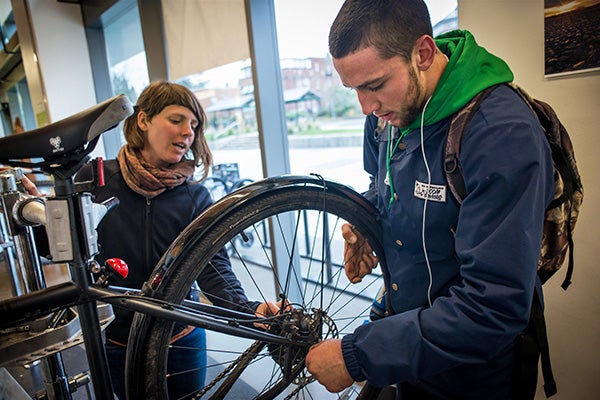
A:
[306,268]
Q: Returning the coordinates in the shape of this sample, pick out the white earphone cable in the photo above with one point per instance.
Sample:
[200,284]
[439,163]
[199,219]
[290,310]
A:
[425,204]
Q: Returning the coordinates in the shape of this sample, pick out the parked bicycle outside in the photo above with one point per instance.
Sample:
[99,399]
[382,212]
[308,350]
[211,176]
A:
[224,179]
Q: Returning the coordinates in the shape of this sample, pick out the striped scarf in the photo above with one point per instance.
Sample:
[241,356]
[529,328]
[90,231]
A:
[148,180]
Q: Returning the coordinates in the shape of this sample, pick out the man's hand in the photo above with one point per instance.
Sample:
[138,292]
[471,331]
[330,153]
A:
[30,187]
[326,364]
[358,255]
[27,184]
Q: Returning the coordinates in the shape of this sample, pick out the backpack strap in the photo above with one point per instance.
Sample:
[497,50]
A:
[451,161]
[537,323]
[531,348]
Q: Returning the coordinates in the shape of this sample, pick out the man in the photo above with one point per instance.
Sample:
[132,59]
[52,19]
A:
[460,279]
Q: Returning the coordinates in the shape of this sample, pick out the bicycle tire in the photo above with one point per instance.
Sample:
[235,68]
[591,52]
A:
[149,340]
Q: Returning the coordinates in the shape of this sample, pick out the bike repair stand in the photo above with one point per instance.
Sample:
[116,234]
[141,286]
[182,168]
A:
[37,345]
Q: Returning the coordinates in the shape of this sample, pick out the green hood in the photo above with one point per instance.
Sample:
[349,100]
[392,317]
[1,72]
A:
[470,69]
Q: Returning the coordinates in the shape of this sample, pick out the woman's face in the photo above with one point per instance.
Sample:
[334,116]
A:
[169,135]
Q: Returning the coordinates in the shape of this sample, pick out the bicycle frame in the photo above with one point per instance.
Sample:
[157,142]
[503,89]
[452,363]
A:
[70,218]
[83,293]
[70,221]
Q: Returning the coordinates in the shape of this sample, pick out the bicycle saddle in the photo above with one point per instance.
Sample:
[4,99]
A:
[68,135]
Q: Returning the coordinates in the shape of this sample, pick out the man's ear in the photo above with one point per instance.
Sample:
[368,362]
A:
[424,52]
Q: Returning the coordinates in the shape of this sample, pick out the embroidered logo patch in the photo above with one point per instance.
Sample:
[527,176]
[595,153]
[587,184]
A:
[430,192]
[56,143]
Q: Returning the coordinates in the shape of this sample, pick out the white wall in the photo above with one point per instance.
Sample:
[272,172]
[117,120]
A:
[63,57]
[514,30]
[57,37]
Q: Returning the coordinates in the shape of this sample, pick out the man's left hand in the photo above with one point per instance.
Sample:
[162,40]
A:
[30,187]
[326,363]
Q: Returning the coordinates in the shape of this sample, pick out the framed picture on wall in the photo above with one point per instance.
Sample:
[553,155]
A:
[571,36]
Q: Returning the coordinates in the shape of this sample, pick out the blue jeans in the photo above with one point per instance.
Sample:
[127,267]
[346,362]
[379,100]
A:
[188,354]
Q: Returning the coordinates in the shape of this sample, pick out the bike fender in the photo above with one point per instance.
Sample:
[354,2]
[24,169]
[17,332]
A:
[213,214]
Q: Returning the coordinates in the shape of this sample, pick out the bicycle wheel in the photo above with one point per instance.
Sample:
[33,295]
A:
[296,252]
[242,182]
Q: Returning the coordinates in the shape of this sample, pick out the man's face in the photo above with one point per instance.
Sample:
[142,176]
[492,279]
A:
[390,88]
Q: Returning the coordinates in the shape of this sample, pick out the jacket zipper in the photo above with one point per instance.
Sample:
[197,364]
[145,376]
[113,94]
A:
[148,235]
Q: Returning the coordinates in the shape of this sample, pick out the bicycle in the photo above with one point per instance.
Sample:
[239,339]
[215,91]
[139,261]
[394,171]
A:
[260,358]
[224,180]
[218,187]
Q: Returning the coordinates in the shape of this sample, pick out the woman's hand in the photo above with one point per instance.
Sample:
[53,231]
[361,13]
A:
[269,309]
[358,254]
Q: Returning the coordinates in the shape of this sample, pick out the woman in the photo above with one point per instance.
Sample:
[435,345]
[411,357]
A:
[152,179]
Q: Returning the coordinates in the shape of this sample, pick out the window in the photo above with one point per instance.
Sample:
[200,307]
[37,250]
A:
[126,56]
[325,122]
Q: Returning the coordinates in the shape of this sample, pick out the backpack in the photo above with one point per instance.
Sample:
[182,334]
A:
[559,219]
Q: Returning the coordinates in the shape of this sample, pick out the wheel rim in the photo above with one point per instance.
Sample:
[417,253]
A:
[311,277]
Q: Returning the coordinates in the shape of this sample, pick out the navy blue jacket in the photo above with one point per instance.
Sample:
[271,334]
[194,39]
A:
[482,256]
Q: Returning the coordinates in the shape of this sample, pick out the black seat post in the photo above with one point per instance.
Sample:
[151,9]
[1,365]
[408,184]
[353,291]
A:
[63,186]
[68,200]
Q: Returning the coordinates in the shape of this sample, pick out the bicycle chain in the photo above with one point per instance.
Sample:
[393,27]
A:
[300,385]
[301,382]
[224,373]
